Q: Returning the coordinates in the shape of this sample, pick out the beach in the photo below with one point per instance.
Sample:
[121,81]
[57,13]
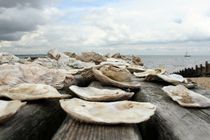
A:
[202,81]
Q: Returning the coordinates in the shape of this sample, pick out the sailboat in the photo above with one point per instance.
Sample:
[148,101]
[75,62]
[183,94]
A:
[187,55]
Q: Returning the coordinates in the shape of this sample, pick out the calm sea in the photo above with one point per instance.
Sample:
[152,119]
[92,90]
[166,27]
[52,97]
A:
[173,63]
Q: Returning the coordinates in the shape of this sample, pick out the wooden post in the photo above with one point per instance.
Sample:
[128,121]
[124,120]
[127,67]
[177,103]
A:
[192,72]
[206,68]
[196,70]
[201,70]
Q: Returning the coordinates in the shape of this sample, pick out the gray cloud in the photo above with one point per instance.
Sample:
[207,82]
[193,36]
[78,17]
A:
[21,3]
[18,17]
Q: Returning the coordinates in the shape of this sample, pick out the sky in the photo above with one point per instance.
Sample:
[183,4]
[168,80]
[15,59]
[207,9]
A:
[144,27]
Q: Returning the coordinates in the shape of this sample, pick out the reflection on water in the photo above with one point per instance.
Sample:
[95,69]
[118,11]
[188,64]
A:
[173,63]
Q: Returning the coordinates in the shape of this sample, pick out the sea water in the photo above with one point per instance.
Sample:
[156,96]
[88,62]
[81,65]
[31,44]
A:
[173,63]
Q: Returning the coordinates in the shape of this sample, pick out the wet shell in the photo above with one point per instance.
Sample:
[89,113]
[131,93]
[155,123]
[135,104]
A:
[9,108]
[98,93]
[150,72]
[108,113]
[126,81]
[186,97]
[30,92]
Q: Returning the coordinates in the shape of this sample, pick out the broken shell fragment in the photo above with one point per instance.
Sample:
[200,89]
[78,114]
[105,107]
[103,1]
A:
[114,76]
[98,93]
[9,108]
[150,72]
[108,113]
[30,92]
[186,97]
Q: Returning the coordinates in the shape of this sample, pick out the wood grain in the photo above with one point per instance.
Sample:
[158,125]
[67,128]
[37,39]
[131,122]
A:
[36,120]
[75,130]
[172,121]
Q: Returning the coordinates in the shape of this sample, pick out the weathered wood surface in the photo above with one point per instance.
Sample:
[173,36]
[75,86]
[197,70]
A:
[75,130]
[35,121]
[171,121]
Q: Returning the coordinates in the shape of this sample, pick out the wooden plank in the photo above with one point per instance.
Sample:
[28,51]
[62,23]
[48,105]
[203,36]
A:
[172,121]
[75,130]
[37,120]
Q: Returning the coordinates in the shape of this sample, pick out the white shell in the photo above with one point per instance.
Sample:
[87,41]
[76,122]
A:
[108,113]
[117,62]
[174,79]
[186,97]
[34,73]
[30,92]
[135,68]
[8,58]
[150,72]
[54,54]
[98,93]
[9,108]
[47,62]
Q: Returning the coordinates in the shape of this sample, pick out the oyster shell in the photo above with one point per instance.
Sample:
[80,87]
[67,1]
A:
[91,57]
[174,79]
[54,54]
[8,58]
[34,73]
[135,68]
[186,97]
[117,62]
[9,108]
[30,92]
[108,113]
[116,73]
[112,75]
[66,62]
[47,62]
[150,72]
[95,92]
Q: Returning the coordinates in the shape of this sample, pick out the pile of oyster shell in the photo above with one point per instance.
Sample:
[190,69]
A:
[99,87]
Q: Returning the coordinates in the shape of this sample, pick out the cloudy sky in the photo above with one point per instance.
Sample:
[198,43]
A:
[126,26]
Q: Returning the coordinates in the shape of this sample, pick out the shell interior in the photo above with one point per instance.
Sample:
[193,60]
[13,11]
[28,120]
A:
[109,81]
[150,72]
[30,92]
[98,93]
[108,113]
[9,108]
[186,97]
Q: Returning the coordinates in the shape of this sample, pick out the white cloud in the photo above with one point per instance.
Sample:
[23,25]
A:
[127,26]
